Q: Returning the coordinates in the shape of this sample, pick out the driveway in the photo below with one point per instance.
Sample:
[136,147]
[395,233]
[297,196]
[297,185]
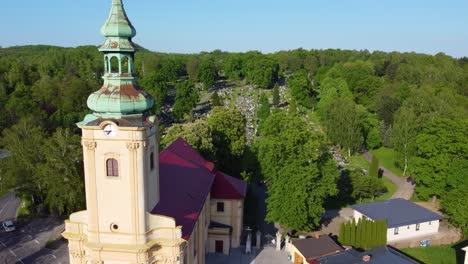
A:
[405,189]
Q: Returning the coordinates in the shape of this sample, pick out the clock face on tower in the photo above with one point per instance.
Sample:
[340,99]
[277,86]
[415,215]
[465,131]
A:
[110,130]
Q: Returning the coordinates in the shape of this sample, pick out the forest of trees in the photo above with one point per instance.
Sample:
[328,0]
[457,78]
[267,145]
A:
[414,103]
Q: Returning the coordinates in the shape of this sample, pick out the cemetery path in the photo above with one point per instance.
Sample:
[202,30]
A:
[405,186]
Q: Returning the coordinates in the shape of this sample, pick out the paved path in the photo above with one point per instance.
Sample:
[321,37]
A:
[9,205]
[26,244]
[405,189]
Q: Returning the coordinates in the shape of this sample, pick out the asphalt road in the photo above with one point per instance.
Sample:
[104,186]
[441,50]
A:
[27,244]
[9,205]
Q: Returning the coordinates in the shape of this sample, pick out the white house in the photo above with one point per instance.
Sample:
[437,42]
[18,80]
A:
[405,219]
[466,254]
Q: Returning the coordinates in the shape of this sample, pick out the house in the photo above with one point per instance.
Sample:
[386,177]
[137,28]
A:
[306,250]
[405,219]
[380,255]
[466,254]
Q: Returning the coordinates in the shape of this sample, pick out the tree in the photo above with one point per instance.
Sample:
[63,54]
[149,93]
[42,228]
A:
[298,170]
[364,186]
[441,145]
[404,134]
[233,67]
[374,167]
[276,95]
[207,73]
[20,166]
[344,125]
[61,175]
[367,233]
[229,137]
[301,88]
[263,109]
[215,100]
[455,201]
[186,99]
[261,70]
[197,134]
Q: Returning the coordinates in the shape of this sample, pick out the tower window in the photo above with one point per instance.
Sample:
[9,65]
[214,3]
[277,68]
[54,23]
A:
[112,167]
[220,207]
[125,65]
[152,161]
[114,65]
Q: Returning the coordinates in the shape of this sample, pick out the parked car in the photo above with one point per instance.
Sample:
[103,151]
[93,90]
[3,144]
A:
[8,226]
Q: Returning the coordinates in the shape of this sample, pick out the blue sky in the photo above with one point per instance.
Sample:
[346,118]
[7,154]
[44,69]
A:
[188,26]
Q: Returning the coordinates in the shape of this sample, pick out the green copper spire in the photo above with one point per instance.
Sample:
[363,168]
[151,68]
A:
[118,24]
[120,96]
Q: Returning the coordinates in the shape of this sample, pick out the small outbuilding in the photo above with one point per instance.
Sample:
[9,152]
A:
[309,249]
[405,219]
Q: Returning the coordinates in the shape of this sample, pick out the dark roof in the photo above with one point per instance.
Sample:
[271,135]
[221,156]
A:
[227,187]
[214,224]
[398,212]
[380,255]
[312,248]
[185,180]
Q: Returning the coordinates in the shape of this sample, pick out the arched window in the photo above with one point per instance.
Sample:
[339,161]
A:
[114,65]
[112,167]
[125,65]
[152,161]
[106,64]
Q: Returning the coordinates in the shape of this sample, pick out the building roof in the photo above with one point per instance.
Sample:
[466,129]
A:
[313,248]
[227,187]
[185,180]
[380,255]
[398,212]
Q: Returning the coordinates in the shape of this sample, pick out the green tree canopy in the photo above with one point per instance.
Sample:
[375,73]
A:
[298,169]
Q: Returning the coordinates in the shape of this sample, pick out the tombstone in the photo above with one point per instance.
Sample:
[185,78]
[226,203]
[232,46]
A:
[286,243]
[248,244]
[259,239]
[278,241]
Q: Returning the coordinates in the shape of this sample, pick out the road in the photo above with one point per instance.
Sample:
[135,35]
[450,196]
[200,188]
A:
[27,244]
[405,189]
[9,205]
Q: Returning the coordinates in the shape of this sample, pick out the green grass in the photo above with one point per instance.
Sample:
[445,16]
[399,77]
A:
[391,189]
[446,254]
[387,158]
[23,210]
[358,162]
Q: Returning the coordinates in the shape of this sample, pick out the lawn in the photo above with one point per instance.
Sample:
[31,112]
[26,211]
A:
[446,254]
[358,162]
[391,189]
[387,158]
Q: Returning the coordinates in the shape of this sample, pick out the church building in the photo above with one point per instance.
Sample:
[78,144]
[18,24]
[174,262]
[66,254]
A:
[143,206]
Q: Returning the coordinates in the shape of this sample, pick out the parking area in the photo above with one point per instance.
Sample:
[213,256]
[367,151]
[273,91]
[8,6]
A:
[27,244]
[267,255]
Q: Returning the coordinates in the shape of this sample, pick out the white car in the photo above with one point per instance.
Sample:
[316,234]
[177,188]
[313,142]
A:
[9,226]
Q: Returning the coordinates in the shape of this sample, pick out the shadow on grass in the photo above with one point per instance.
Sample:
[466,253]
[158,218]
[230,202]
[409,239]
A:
[460,253]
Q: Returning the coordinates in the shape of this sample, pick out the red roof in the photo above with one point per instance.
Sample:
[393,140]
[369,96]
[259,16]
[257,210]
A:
[185,180]
[227,187]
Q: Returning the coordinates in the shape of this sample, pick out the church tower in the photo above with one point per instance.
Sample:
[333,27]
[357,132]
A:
[120,154]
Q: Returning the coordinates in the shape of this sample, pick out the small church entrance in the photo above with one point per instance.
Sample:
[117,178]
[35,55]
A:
[219,246]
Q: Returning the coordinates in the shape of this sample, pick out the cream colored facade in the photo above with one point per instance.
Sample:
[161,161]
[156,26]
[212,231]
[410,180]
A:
[117,226]
[232,215]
